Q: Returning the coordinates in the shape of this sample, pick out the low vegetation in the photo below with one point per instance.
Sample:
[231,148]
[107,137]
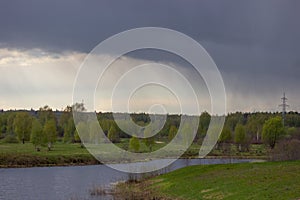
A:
[269,180]
[19,155]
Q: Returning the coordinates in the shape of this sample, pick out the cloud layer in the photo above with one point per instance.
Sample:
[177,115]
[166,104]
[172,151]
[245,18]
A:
[255,44]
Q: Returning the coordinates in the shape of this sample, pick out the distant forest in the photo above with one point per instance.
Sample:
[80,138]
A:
[240,128]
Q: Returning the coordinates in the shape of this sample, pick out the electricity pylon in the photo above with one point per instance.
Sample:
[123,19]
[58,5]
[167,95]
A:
[284,106]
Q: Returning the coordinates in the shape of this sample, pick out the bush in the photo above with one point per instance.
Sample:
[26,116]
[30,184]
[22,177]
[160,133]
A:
[10,139]
[286,150]
[134,144]
[295,133]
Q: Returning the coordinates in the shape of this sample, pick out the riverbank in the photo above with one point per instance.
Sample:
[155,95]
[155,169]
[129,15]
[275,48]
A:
[267,180]
[23,160]
[24,155]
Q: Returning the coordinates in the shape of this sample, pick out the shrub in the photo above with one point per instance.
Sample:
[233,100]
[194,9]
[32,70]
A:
[134,144]
[295,133]
[286,150]
[10,139]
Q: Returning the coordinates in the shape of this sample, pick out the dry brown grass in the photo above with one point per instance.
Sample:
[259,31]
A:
[137,190]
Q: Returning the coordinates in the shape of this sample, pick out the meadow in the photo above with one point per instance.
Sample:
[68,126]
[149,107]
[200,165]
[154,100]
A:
[267,180]
[25,155]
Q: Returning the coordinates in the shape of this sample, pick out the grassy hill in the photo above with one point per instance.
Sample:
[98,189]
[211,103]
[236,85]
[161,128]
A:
[269,180]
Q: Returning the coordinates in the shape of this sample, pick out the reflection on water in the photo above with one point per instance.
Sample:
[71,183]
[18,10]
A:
[74,182]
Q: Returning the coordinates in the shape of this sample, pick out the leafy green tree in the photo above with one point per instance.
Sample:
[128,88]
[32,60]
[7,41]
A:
[78,110]
[69,129]
[172,132]
[76,136]
[240,136]
[7,129]
[113,134]
[225,135]
[290,131]
[134,144]
[37,137]
[83,129]
[10,123]
[78,107]
[292,119]
[254,126]
[105,125]
[148,140]
[203,124]
[22,126]
[233,119]
[95,136]
[273,129]
[50,133]
[187,134]
[225,139]
[2,125]
[63,120]
[45,114]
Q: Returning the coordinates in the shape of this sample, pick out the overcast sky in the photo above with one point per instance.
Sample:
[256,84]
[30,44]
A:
[255,44]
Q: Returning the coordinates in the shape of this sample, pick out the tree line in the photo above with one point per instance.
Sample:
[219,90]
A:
[44,127]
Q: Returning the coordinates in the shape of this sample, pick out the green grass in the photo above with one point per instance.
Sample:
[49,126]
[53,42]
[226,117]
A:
[269,180]
[58,149]
[25,155]
[124,144]
[255,151]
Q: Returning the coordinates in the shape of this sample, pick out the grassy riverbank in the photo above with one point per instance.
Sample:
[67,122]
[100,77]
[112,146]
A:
[269,180]
[24,155]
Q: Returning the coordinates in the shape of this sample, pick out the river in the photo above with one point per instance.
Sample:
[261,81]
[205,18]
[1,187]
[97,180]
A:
[74,182]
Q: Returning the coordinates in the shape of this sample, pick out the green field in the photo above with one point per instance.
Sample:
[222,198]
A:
[258,151]
[269,180]
[25,155]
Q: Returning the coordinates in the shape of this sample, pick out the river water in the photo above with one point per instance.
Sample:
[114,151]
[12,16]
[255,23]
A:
[74,182]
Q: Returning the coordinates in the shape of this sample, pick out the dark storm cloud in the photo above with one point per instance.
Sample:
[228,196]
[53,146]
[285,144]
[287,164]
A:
[80,25]
[256,44]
